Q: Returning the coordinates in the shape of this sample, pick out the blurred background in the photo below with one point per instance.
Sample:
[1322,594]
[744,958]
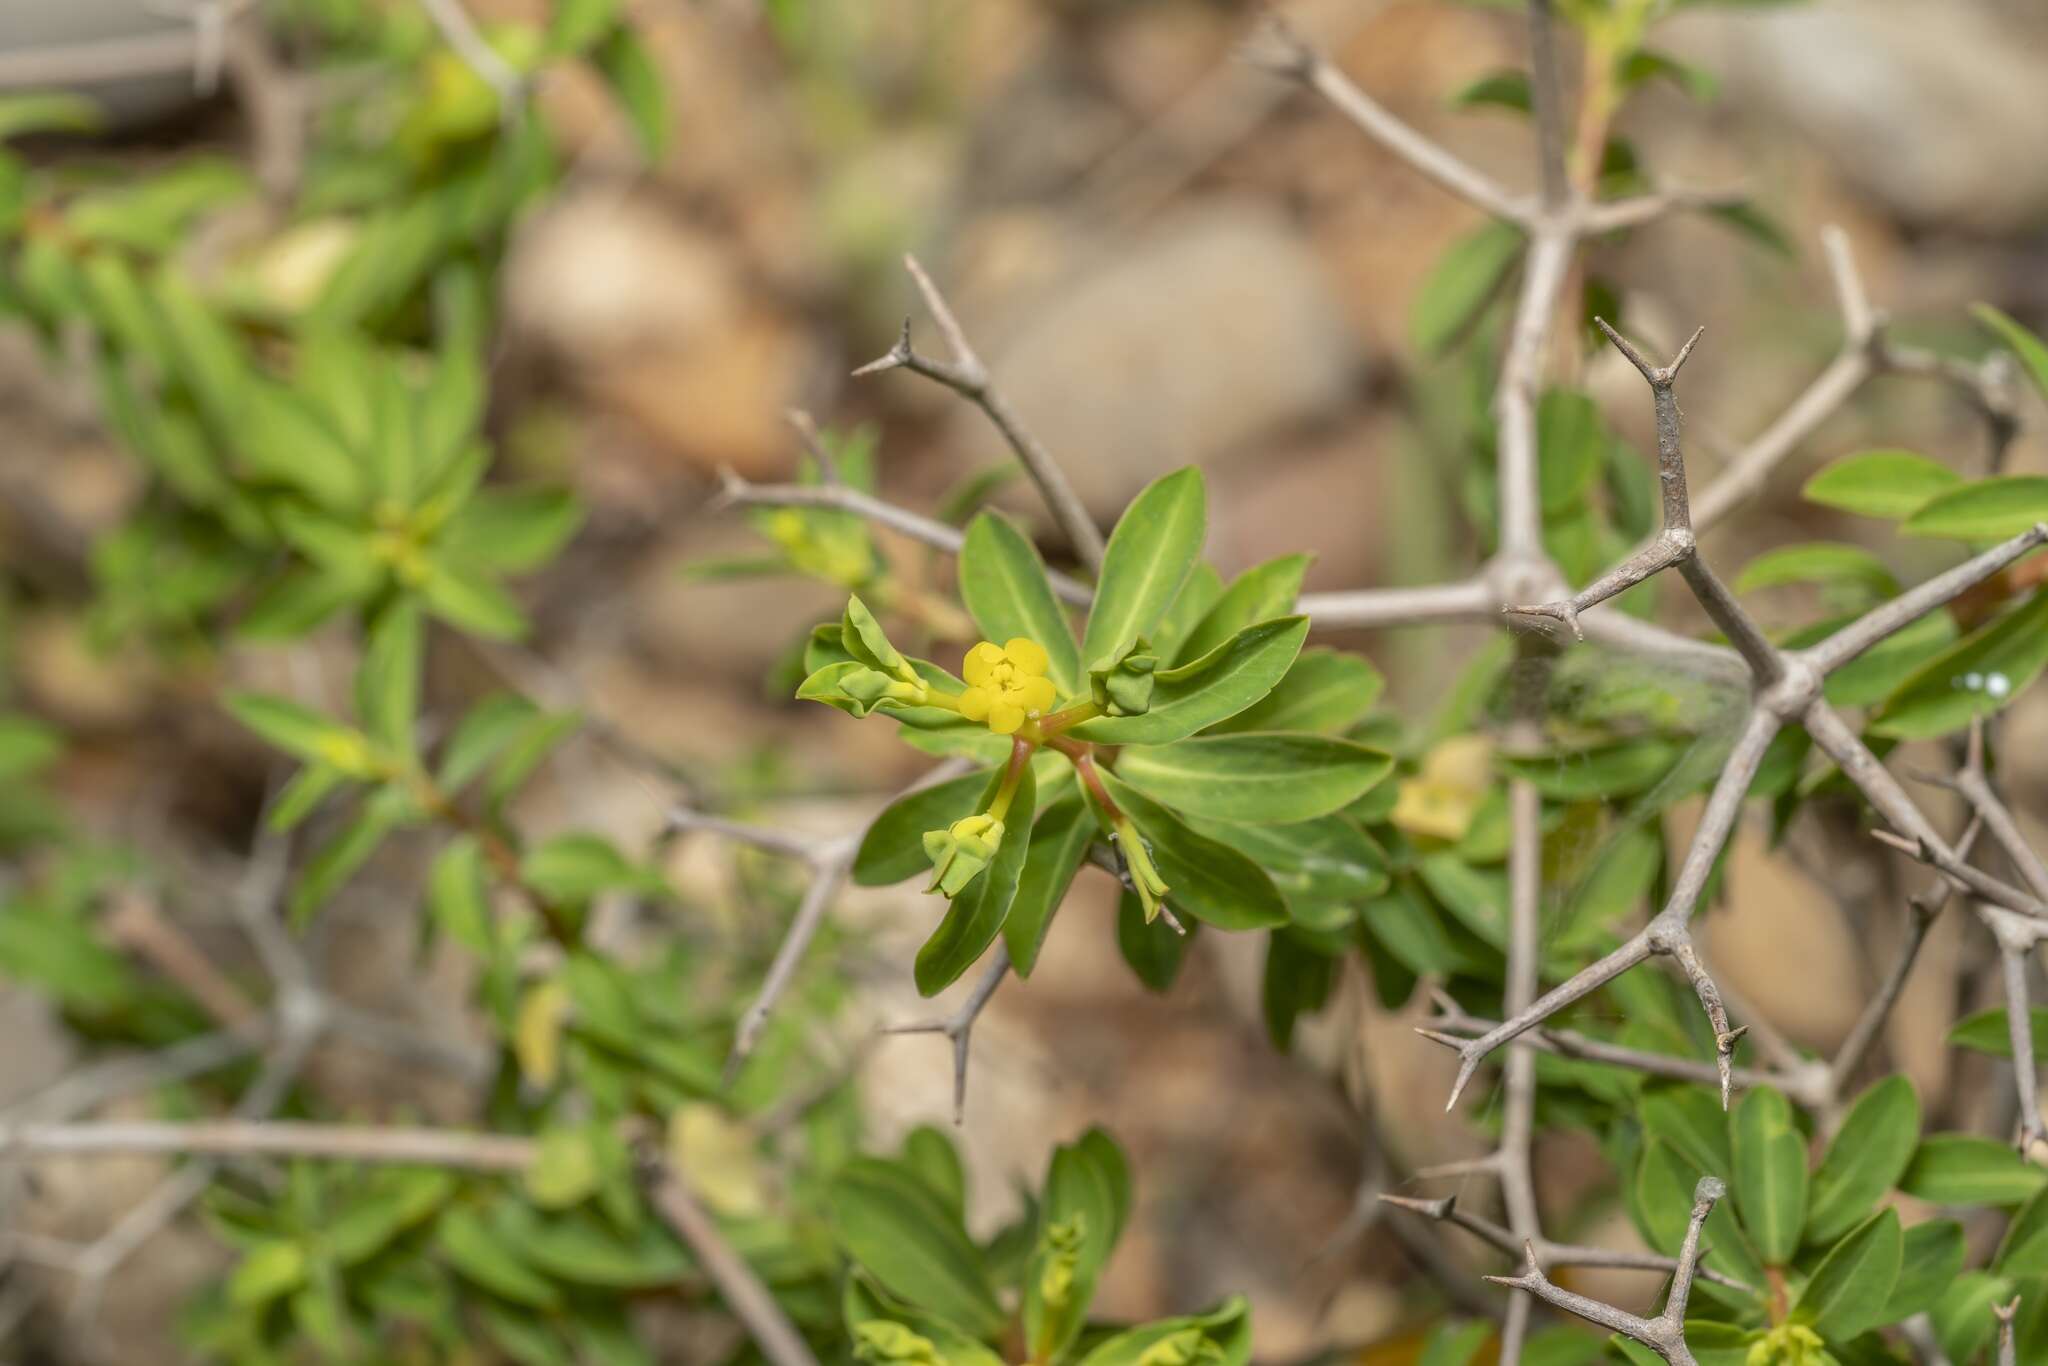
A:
[1168,256]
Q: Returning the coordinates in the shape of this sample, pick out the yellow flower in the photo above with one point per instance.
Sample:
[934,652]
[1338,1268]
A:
[1006,684]
[1442,799]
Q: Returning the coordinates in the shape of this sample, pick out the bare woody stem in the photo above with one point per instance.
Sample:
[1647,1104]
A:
[968,377]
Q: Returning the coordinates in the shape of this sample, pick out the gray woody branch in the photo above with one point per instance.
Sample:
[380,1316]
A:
[968,377]
[1665,1334]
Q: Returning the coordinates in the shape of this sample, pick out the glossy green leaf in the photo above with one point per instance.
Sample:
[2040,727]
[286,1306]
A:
[1884,483]
[1325,690]
[1330,860]
[1497,90]
[1297,981]
[1963,1322]
[1078,1221]
[1691,1120]
[1769,1164]
[1932,1256]
[1847,1293]
[1154,951]
[1620,880]
[1818,562]
[580,1248]
[1227,1328]
[892,850]
[1059,844]
[1571,444]
[2024,1249]
[1261,593]
[467,599]
[1005,590]
[1213,688]
[266,1272]
[1987,510]
[1865,1160]
[1154,546]
[1463,281]
[1209,881]
[1204,585]
[1261,779]
[1988,1032]
[901,1232]
[1977,676]
[1477,897]
[298,731]
[975,917]
[1963,1169]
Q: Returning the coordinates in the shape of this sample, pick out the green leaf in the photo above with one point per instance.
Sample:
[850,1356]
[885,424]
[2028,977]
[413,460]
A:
[1228,1327]
[563,1171]
[1059,843]
[1077,1227]
[1213,688]
[1005,590]
[1962,1169]
[637,82]
[1297,981]
[481,1255]
[457,902]
[1977,676]
[903,1235]
[1154,546]
[308,787]
[1690,1119]
[579,23]
[891,850]
[402,1197]
[510,530]
[1572,445]
[267,1271]
[573,868]
[1327,861]
[211,361]
[1324,690]
[1607,771]
[1865,1160]
[932,1155]
[282,437]
[1204,585]
[1987,510]
[388,681]
[1260,779]
[1154,951]
[1210,881]
[1847,1292]
[1644,65]
[1988,1032]
[1821,562]
[1454,1343]
[1769,1166]
[472,602]
[1884,483]
[482,734]
[49,111]
[335,862]
[1463,281]
[1932,1257]
[1499,90]
[2033,355]
[1259,594]
[2024,1249]
[1478,900]
[1619,880]
[300,731]
[1963,1322]
[975,917]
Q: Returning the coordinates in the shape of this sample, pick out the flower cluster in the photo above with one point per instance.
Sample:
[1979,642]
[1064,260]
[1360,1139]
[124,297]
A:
[1006,684]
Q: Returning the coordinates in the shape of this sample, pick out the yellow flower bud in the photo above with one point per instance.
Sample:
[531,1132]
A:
[1006,684]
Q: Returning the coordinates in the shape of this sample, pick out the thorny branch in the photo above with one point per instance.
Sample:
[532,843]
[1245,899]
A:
[1665,1334]
[959,1026]
[1551,1255]
[968,377]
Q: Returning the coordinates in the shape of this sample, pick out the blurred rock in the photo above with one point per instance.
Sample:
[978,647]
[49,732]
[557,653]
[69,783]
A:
[658,319]
[1936,118]
[1184,347]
